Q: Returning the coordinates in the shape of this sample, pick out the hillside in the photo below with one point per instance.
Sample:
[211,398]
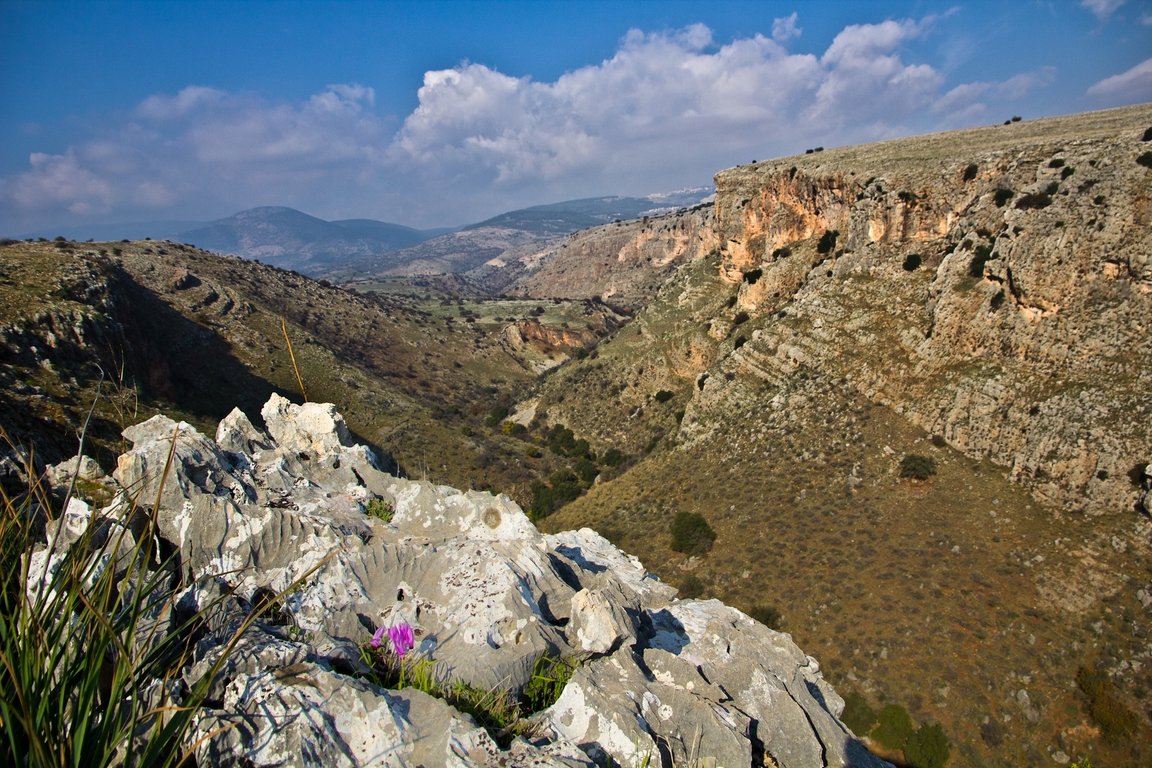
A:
[905,384]
[498,248]
[132,329]
[290,239]
[977,298]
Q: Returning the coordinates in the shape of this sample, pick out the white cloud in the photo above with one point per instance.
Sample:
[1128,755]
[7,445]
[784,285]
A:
[667,109]
[785,29]
[966,104]
[1102,9]
[1134,85]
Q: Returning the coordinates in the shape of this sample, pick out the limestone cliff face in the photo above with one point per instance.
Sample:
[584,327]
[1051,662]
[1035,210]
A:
[625,263]
[550,339]
[993,285]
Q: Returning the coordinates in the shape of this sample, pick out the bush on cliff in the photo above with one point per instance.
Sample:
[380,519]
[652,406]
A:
[917,467]
[691,533]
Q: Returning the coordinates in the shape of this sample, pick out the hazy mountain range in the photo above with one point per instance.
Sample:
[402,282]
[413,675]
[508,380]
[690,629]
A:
[292,239]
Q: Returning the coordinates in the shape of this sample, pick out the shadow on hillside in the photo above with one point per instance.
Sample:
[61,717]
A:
[176,361]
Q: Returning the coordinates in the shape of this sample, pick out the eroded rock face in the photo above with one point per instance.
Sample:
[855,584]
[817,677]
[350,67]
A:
[659,681]
[992,286]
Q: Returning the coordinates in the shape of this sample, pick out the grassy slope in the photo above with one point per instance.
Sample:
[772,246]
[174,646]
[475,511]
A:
[948,596]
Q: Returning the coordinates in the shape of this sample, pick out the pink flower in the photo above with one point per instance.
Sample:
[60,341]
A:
[377,637]
[401,636]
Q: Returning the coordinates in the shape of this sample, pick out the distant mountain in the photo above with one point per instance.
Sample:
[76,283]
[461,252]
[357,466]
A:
[133,230]
[573,215]
[516,235]
[291,239]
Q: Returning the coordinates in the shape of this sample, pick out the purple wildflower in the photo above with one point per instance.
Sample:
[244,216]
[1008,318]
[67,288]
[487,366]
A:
[402,638]
[377,637]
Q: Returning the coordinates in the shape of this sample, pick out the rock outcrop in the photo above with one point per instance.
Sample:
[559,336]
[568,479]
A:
[282,512]
[991,285]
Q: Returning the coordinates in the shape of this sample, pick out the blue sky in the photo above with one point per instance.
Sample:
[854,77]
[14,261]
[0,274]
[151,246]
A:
[444,113]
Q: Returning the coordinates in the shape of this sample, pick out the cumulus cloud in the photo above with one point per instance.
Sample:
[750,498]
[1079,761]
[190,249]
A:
[1132,86]
[1102,9]
[206,148]
[785,29]
[667,109]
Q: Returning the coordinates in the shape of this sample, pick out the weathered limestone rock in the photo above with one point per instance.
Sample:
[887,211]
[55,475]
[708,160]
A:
[998,281]
[276,523]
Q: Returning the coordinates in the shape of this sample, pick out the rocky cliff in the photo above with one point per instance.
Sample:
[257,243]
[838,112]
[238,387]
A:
[658,680]
[994,286]
[624,263]
[978,299]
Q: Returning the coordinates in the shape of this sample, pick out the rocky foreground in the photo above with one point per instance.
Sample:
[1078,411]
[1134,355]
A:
[659,681]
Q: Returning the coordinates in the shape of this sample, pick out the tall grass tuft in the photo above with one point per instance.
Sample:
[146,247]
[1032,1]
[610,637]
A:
[91,643]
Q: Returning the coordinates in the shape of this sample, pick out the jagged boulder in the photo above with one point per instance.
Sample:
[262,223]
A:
[277,522]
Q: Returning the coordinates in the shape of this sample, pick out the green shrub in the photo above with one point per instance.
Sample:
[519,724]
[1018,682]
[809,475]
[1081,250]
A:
[513,428]
[740,318]
[782,252]
[1145,160]
[691,533]
[894,727]
[1034,200]
[380,509]
[752,275]
[917,467]
[827,241]
[970,172]
[768,615]
[857,714]
[663,396]
[1002,196]
[613,457]
[739,342]
[561,488]
[912,262]
[586,470]
[928,747]
[1116,721]
[691,586]
[1056,163]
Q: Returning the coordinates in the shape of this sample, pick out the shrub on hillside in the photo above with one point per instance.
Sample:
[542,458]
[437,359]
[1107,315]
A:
[857,714]
[752,275]
[928,747]
[827,241]
[1145,160]
[691,533]
[912,262]
[1002,196]
[917,467]
[894,727]
[663,396]
[691,586]
[768,615]
[1116,721]
[613,457]
[1034,200]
